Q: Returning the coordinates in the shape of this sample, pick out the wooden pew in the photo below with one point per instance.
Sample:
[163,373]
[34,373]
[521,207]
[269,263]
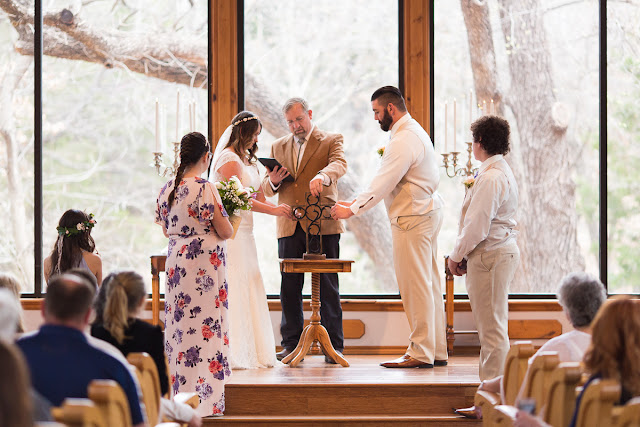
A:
[77,413]
[108,396]
[149,383]
[515,367]
[536,387]
[562,394]
[627,415]
[597,403]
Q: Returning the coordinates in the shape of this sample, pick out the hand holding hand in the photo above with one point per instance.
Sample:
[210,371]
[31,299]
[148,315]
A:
[340,211]
[457,268]
[315,186]
[277,174]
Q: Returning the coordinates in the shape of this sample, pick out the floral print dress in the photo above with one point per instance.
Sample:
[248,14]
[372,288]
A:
[196,330]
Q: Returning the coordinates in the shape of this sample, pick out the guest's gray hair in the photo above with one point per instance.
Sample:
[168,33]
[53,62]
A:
[291,102]
[581,295]
[10,312]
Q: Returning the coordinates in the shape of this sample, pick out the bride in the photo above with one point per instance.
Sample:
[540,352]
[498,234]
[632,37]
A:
[251,339]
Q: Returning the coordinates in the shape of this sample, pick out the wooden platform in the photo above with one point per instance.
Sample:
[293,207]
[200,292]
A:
[365,393]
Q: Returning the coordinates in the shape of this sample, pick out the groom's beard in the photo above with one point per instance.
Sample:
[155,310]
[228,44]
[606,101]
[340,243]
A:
[385,123]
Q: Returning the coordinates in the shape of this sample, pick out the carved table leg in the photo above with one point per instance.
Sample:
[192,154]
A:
[314,331]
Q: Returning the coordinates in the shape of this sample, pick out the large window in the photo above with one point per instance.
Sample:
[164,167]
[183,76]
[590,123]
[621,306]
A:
[100,87]
[540,63]
[16,153]
[536,65]
[334,54]
[623,150]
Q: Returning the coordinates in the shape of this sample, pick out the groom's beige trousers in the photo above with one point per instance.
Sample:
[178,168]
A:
[414,258]
[489,274]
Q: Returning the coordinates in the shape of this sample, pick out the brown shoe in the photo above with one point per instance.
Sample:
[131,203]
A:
[406,361]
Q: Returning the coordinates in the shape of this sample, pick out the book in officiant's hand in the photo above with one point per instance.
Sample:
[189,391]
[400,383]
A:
[270,164]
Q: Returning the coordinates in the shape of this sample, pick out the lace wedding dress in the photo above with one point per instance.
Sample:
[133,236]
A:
[251,340]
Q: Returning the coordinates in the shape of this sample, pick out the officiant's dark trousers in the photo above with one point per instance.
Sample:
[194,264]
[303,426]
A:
[291,292]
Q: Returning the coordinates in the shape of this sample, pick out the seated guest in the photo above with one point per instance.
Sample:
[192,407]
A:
[580,295]
[614,353]
[61,361]
[74,246]
[10,315]
[118,325]
[15,401]
[9,281]
[10,323]
[120,299]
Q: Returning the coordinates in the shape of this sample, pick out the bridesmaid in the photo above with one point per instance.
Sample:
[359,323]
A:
[190,212]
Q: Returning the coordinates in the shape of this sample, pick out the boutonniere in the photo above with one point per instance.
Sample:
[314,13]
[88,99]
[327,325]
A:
[380,151]
[469,181]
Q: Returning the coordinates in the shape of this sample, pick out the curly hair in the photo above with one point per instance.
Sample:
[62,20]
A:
[614,352]
[241,139]
[492,133]
[581,295]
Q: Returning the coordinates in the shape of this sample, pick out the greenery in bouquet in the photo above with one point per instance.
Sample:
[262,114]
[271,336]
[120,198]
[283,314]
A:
[235,196]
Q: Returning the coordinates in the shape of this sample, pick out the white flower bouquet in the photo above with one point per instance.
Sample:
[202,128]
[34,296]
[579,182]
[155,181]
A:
[235,197]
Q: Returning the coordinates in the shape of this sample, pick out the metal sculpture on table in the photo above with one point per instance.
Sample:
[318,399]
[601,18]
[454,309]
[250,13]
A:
[315,213]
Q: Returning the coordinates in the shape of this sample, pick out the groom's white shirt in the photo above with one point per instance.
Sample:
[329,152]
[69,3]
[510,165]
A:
[408,176]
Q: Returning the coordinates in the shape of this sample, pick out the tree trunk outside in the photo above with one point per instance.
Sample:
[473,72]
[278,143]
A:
[8,85]
[547,192]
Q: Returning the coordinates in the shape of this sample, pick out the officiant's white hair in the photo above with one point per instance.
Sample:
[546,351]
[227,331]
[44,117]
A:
[291,102]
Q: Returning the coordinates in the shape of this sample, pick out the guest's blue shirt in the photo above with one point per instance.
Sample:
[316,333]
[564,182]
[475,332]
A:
[62,364]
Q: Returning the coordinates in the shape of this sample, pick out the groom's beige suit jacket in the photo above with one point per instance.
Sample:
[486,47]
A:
[324,153]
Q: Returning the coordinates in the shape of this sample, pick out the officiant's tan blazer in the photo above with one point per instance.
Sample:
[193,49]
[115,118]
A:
[324,153]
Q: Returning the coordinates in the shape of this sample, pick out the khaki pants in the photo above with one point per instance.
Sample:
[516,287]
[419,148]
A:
[488,277]
[414,258]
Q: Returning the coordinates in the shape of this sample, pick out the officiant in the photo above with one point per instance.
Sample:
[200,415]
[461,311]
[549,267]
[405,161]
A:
[315,160]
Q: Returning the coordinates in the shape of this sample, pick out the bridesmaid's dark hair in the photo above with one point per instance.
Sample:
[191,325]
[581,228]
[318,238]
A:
[192,147]
[244,125]
[71,245]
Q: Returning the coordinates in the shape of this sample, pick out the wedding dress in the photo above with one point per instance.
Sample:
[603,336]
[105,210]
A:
[251,340]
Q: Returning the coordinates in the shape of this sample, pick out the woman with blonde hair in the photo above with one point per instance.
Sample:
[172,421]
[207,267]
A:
[120,299]
[9,281]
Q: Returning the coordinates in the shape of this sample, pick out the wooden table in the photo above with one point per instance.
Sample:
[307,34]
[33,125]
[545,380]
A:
[314,330]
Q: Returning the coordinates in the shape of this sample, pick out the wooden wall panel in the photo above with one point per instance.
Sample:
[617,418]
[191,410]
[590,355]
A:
[224,64]
[417,69]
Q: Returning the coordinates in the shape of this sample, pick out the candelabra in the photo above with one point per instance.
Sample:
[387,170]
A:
[161,168]
[467,170]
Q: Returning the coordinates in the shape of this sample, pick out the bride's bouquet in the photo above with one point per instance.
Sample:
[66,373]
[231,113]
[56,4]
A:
[235,197]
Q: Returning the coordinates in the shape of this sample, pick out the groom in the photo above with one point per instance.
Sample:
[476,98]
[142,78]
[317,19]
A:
[316,161]
[407,181]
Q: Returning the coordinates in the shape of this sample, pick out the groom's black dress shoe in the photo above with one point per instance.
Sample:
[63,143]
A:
[282,354]
[439,363]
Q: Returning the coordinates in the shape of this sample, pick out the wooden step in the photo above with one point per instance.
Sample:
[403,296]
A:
[344,421]
[347,399]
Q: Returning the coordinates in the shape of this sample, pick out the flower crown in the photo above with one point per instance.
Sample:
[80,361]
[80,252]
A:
[78,228]
[236,123]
